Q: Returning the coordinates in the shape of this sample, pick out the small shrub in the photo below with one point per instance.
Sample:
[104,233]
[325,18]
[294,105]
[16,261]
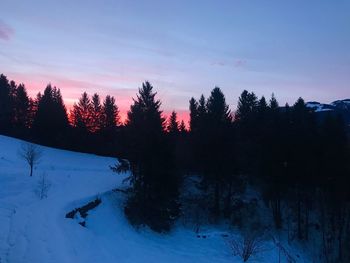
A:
[246,246]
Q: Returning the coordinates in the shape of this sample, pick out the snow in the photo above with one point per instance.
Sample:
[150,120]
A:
[34,230]
[346,101]
[318,107]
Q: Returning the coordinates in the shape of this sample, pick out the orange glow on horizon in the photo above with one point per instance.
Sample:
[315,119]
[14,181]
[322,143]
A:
[71,95]
[123,114]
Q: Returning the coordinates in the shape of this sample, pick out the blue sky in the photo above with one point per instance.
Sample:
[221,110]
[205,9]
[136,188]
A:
[184,48]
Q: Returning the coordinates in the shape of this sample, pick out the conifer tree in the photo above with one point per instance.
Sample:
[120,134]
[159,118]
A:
[262,106]
[247,105]
[193,114]
[110,113]
[173,124]
[217,161]
[154,181]
[21,108]
[96,113]
[273,104]
[202,111]
[51,120]
[81,115]
[6,105]
[182,127]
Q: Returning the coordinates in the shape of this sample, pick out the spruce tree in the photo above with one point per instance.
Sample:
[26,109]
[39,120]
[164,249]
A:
[247,106]
[110,113]
[182,127]
[273,104]
[202,111]
[154,182]
[193,114]
[21,108]
[246,117]
[262,106]
[173,124]
[96,113]
[6,105]
[218,162]
[51,121]
[81,115]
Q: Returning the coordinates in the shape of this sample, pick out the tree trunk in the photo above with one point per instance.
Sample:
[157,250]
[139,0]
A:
[307,208]
[276,211]
[228,200]
[300,236]
[217,199]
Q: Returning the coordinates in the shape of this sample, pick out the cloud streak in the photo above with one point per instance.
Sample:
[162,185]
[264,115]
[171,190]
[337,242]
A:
[6,32]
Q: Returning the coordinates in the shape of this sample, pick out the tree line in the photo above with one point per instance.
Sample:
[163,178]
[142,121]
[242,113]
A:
[296,162]
[90,126]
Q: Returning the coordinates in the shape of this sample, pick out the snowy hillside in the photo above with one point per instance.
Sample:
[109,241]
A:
[34,230]
[338,105]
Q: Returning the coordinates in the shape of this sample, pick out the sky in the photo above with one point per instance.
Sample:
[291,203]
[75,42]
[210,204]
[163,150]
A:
[184,48]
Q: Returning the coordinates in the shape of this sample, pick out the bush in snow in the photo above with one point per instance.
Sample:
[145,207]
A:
[31,154]
[246,246]
[43,186]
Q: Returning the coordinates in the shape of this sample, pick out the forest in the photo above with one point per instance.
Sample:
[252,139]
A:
[294,162]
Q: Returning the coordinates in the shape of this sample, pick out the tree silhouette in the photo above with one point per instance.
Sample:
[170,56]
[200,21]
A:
[173,124]
[6,107]
[153,179]
[217,161]
[82,114]
[182,127]
[51,121]
[193,114]
[21,108]
[110,113]
[31,154]
[96,113]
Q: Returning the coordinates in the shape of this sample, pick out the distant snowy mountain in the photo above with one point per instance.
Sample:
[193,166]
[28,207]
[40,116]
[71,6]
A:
[339,107]
[318,107]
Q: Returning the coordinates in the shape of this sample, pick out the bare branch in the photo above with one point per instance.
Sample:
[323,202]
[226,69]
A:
[31,153]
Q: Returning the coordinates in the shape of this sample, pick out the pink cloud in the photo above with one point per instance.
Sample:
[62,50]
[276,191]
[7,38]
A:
[237,63]
[6,31]
[240,63]
[218,63]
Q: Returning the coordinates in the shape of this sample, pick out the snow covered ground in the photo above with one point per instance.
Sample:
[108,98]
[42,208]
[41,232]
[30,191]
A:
[34,230]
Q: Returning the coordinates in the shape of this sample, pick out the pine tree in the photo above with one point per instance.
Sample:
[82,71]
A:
[51,121]
[272,157]
[110,114]
[202,111]
[153,180]
[217,108]
[21,108]
[81,115]
[96,113]
[247,131]
[302,161]
[247,105]
[217,162]
[6,105]
[182,127]
[173,124]
[273,105]
[193,114]
[262,106]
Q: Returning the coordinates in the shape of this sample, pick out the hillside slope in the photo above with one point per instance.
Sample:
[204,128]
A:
[34,230]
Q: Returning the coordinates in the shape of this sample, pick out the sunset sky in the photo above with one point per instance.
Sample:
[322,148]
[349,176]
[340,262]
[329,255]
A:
[184,48]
